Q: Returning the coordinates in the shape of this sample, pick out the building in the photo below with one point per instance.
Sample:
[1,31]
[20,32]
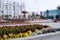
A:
[11,8]
[16,9]
[1,7]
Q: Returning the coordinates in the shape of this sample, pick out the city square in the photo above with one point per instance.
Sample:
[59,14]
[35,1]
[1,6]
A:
[29,20]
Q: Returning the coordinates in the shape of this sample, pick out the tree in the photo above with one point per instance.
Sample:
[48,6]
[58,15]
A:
[37,15]
[58,11]
[6,16]
[33,14]
[47,13]
[57,17]
[58,7]
[51,17]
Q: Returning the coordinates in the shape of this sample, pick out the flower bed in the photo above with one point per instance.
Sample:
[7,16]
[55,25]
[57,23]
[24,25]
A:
[7,32]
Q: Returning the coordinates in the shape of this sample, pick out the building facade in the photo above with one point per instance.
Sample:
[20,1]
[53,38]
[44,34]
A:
[11,8]
[1,7]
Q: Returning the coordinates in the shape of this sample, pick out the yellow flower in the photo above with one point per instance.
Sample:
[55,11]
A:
[29,32]
[11,35]
[43,29]
[14,35]
[20,34]
[17,35]
[25,35]
[36,30]
[5,36]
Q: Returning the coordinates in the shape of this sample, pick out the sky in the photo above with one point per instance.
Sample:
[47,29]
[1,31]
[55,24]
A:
[39,5]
